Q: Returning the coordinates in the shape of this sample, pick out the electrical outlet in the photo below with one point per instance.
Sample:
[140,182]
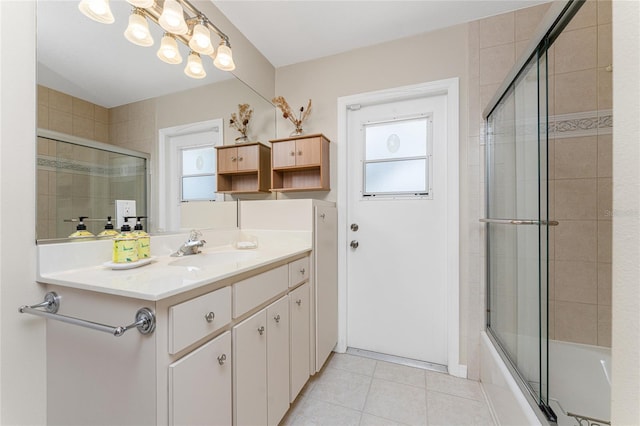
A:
[125,208]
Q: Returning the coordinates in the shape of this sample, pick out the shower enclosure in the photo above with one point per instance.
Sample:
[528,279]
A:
[545,207]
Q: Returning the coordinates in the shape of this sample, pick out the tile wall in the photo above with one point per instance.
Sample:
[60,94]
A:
[88,190]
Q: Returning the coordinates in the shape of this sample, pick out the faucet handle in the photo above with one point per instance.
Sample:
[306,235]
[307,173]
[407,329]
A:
[195,235]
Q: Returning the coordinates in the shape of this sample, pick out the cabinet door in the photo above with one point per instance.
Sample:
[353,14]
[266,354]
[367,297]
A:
[300,344]
[308,152]
[200,385]
[277,360]
[283,154]
[248,158]
[227,160]
[250,370]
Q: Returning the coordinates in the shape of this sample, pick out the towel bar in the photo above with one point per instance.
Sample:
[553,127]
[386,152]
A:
[145,320]
[520,222]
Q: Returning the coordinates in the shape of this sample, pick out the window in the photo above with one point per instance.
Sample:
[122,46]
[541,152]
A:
[198,177]
[396,160]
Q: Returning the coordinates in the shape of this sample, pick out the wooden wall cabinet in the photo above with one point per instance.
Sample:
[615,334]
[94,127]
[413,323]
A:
[300,164]
[243,168]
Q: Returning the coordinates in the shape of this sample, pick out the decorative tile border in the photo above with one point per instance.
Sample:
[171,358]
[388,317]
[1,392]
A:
[590,123]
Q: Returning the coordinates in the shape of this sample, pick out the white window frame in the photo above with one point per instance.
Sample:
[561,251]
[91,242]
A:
[170,168]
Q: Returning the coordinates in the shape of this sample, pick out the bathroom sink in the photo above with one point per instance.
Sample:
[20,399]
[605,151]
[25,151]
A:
[202,260]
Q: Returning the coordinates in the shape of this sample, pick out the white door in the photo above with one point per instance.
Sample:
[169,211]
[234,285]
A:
[397,204]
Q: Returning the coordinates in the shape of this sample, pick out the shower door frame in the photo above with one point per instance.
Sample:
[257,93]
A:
[556,19]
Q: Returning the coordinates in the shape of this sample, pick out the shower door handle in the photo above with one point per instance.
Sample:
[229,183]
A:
[520,222]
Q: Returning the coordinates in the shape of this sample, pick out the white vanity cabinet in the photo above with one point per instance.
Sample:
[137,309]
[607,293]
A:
[300,346]
[200,385]
[261,366]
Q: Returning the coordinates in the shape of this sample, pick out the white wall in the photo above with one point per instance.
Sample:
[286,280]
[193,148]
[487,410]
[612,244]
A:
[22,339]
[625,396]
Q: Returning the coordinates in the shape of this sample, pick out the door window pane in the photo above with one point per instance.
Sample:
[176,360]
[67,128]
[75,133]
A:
[396,158]
[197,161]
[392,177]
[199,188]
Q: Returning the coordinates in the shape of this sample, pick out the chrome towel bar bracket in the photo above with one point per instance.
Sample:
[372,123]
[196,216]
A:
[145,320]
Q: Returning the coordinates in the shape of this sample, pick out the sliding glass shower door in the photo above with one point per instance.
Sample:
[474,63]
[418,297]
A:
[517,222]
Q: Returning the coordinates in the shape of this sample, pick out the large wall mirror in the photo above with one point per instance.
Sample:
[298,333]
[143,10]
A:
[102,102]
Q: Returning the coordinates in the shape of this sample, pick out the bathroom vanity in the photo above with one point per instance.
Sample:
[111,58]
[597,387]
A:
[234,339]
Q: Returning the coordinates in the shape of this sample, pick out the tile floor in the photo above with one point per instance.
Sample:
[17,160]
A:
[352,390]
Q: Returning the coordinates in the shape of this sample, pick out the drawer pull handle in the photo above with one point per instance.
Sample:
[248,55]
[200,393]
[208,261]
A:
[299,302]
[210,316]
[222,358]
[277,318]
[302,271]
[261,330]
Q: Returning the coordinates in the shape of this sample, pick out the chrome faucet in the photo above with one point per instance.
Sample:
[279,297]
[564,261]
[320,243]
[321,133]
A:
[192,246]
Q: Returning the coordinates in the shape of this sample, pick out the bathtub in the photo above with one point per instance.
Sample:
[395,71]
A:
[579,383]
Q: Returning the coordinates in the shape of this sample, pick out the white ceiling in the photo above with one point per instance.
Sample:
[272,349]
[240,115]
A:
[115,72]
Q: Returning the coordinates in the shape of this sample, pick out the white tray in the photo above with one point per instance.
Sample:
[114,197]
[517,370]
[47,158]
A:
[129,265]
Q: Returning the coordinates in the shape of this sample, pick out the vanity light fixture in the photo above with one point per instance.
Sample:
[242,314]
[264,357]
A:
[98,10]
[181,21]
[138,30]
[168,51]
[201,39]
[224,57]
[194,68]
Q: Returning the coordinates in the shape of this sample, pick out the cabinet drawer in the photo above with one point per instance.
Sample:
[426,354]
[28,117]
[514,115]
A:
[192,320]
[298,271]
[249,293]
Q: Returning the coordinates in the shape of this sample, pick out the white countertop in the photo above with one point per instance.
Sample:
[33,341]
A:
[81,264]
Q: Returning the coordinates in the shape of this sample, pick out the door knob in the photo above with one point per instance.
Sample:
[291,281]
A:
[354,227]
[354,244]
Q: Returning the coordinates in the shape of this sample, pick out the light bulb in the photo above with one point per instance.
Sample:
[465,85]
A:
[194,68]
[168,51]
[137,31]
[98,10]
[224,57]
[172,18]
[201,40]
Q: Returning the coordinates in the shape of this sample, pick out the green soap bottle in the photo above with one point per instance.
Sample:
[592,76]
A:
[125,245]
[144,241]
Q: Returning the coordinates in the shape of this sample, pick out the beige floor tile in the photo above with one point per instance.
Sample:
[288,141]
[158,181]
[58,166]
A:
[341,387]
[398,402]
[352,363]
[451,410]
[400,374]
[371,420]
[451,385]
[320,413]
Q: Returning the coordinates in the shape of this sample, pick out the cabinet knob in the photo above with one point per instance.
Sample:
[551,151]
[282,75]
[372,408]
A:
[222,358]
[277,318]
[302,271]
[210,316]
[299,302]
[233,158]
[299,152]
[292,153]
[239,158]
[261,330]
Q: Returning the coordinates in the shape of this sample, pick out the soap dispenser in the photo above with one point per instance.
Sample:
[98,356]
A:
[144,241]
[125,245]
[81,229]
[108,229]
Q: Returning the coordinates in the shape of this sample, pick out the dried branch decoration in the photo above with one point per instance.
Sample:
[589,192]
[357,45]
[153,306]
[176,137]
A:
[240,121]
[281,103]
